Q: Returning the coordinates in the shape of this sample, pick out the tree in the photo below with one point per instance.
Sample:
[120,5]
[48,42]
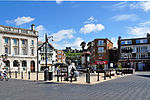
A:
[83,44]
[89,46]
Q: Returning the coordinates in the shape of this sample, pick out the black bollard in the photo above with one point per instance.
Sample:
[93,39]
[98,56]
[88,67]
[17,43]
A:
[46,75]
[87,76]
[104,75]
[98,77]
[110,74]
[15,74]
[10,74]
[28,74]
[57,76]
[22,74]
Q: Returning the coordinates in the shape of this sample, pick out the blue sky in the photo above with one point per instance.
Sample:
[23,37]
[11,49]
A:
[71,22]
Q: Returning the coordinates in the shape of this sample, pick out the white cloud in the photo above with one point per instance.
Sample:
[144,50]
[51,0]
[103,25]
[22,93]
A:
[20,20]
[77,42]
[120,5]
[59,1]
[41,31]
[74,45]
[142,5]
[114,40]
[90,20]
[63,34]
[138,31]
[88,28]
[124,17]
[145,23]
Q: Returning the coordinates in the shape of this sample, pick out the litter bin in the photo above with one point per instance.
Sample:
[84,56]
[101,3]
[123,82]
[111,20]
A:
[50,75]
[46,76]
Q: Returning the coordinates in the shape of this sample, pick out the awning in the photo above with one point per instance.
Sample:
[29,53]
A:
[100,62]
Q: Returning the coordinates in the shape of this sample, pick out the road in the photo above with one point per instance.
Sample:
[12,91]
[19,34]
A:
[132,87]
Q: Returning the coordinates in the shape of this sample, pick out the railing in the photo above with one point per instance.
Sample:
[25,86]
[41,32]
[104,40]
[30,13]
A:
[15,30]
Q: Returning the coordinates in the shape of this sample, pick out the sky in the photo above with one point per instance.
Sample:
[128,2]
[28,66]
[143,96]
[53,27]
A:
[71,22]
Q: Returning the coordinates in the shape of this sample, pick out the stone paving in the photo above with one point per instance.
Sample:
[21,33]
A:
[132,87]
[80,80]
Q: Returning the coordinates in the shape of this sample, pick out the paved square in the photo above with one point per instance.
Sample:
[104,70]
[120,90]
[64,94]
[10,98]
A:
[132,87]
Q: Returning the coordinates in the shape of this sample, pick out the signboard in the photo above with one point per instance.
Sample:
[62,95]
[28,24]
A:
[111,64]
[100,62]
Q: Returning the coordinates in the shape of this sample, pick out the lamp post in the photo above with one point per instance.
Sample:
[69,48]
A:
[45,43]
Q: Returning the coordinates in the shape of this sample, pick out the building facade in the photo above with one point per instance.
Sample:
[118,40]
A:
[21,47]
[51,56]
[135,52]
[61,57]
[113,57]
[99,52]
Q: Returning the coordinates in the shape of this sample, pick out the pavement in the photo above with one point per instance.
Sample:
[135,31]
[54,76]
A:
[80,80]
[131,87]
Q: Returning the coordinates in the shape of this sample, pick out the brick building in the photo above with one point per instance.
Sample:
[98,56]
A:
[135,52]
[99,52]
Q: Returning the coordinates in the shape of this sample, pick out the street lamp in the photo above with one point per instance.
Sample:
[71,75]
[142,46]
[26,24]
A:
[45,43]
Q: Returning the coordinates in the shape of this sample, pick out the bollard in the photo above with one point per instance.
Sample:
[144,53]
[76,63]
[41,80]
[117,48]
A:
[71,79]
[10,74]
[98,77]
[15,74]
[46,75]
[22,75]
[87,76]
[57,76]
[28,74]
[104,75]
[61,76]
[110,74]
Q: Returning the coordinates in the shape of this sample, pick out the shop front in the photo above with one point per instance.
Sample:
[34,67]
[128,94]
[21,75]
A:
[101,64]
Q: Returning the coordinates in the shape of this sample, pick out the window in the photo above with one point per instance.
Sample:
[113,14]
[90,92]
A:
[6,50]
[6,40]
[15,51]
[59,60]
[23,41]
[141,41]
[15,41]
[59,52]
[100,42]
[32,51]
[32,42]
[101,54]
[101,50]
[126,42]
[23,51]
[59,56]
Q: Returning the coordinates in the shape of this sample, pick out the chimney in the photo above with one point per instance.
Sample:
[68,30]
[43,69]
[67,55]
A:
[32,27]
[148,35]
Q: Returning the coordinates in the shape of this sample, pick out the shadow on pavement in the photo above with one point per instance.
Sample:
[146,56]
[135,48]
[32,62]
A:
[147,76]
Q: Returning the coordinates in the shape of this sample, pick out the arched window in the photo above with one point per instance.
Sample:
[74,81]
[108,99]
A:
[15,63]
[24,63]
[7,63]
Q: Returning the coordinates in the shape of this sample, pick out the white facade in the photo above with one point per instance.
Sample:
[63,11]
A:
[140,50]
[51,58]
[21,46]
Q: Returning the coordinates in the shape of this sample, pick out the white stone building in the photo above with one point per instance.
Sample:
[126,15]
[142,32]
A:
[21,47]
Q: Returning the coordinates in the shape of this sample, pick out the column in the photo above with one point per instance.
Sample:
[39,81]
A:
[20,53]
[11,46]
